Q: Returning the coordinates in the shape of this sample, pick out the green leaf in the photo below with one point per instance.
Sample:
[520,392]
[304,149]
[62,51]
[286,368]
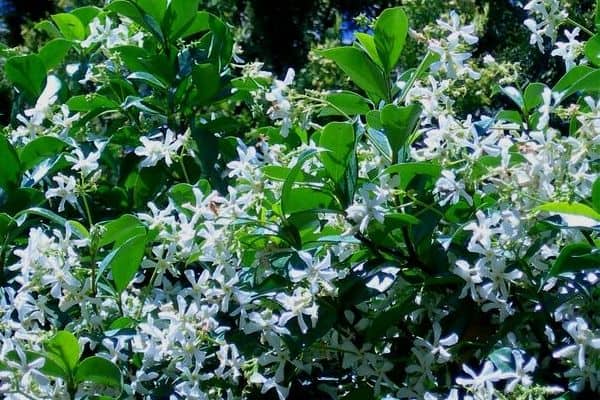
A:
[54,52]
[597,15]
[91,102]
[147,78]
[571,77]
[399,124]
[515,95]
[596,194]
[51,216]
[391,29]
[137,15]
[588,83]
[28,73]
[592,50]
[10,167]
[367,42]
[126,259]
[307,199]
[86,15]
[39,149]
[120,230]
[181,14]
[286,190]
[509,116]
[201,23]
[64,349]
[576,257]
[101,371]
[154,8]
[69,26]
[339,139]
[345,102]
[571,209]
[533,96]
[408,171]
[207,80]
[360,68]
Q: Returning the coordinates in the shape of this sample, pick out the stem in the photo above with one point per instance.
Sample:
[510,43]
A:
[577,24]
[87,211]
[185,174]
[325,102]
[424,64]
[86,206]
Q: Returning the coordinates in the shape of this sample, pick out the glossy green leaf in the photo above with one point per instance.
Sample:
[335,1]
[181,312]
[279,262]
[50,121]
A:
[126,261]
[155,8]
[10,167]
[571,77]
[69,26]
[367,42]
[64,349]
[201,23]
[596,194]
[120,230]
[91,102]
[28,73]
[338,138]
[39,149]
[307,199]
[597,15]
[407,171]
[99,370]
[391,29]
[344,102]
[86,15]
[54,52]
[360,69]
[147,78]
[576,257]
[181,14]
[515,95]
[533,96]
[592,50]
[399,123]
[286,191]
[571,209]
[207,80]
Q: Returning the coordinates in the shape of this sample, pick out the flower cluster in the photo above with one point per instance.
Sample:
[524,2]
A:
[378,245]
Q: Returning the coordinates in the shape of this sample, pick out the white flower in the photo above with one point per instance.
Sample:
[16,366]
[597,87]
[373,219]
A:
[65,190]
[162,148]
[583,337]
[457,31]
[317,273]
[569,50]
[482,230]
[520,375]
[85,164]
[481,384]
[299,303]
[449,190]
[280,106]
[45,101]
[368,207]
[452,60]
[438,348]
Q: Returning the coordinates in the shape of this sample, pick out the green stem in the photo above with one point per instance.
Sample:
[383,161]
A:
[185,173]
[426,62]
[325,102]
[577,24]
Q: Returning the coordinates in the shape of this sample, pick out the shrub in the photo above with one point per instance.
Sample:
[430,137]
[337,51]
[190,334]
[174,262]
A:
[178,226]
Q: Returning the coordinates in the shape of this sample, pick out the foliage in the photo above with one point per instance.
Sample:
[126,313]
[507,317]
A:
[178,224]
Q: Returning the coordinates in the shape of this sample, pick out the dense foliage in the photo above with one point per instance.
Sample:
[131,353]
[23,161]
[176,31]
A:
[177,223]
